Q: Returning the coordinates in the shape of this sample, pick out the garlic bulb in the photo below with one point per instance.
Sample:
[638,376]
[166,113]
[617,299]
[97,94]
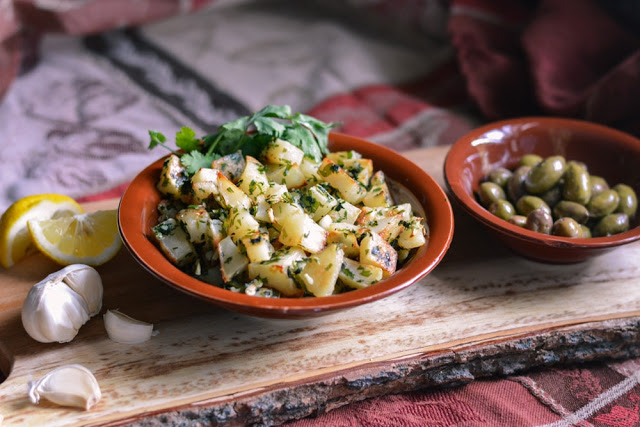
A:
[59,305]
[69,385]
[126,330]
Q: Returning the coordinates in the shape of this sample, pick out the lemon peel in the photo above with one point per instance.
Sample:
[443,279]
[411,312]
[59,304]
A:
[15,239]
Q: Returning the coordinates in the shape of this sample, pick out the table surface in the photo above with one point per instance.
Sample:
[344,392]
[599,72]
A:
[483,311]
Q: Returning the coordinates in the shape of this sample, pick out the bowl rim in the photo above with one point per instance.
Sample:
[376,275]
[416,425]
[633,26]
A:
[463,146]
[436,204]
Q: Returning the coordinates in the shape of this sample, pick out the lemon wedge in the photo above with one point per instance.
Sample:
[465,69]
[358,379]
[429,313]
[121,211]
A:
[90,238]
[15,240]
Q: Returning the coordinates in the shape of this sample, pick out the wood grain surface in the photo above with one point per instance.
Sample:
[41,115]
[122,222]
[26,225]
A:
[482,311]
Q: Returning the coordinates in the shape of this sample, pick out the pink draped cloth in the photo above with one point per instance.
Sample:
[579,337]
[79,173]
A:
[565,58]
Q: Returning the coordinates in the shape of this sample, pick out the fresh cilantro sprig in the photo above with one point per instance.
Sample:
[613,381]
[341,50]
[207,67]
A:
[251,134]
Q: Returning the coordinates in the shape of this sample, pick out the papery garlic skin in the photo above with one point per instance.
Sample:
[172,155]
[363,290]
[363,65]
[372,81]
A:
[86,281]
[126,330]
[59,305]
[69,385]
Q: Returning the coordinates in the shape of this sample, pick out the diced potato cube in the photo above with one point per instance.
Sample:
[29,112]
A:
[347,236]
[288,174]
[231,196]
[241,224]
[230,165]
[282,210]
[258,246]
[196,223]
[340,156]
[325,222]
[253,180]
[388,227]
[378,194]
[310,170]
[232,260]
[374,250]
[262,209]
[357,275]
[301,231]
[216,231]
[345,212]
[348,188]
[319,273]
[282,152]
[369,217]
[317,202]
[174,242]
[413,234]
[204,185]
[360,169]
[276,192]
[275,272]
[172,178]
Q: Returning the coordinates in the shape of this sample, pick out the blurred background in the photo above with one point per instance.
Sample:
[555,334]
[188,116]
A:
[82,81]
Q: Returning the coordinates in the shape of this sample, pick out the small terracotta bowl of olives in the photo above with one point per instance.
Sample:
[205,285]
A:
[552,189]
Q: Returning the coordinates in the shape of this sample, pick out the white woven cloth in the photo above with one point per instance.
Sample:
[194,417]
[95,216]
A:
[77,123]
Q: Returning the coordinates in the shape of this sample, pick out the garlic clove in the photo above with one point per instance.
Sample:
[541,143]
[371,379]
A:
[126,330]
[69,385]
[52,312]
[85,281]
[57,306]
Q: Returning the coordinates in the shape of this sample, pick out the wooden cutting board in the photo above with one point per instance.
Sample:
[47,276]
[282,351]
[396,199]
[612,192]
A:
[483,311]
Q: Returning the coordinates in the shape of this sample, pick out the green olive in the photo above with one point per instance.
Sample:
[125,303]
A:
[628,200]
[567,227]
[489,192]
[598,185]
[539,220]
[526,204]
[611,224]
[515,186]
[552,196]
[502,209]
[573,210]
[545,175]
[586,231]
[603,203]
[518,220]
[499,176]
[583,165]
[530,160]
[577,185]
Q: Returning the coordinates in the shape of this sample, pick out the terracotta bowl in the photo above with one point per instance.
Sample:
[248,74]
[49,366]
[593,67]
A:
[137,214]
[609,153]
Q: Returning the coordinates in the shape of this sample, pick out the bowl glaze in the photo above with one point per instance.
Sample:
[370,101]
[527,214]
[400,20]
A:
[137,214]
[607,152]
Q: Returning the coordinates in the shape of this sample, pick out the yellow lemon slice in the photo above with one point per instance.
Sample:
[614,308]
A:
[90,238]
[15,240]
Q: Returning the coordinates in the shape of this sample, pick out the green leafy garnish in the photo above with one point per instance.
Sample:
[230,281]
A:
[156,139]
[195,160]
[186,139]
[250,134]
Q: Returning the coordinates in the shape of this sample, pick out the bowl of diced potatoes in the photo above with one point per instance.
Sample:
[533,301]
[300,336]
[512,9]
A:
[280,235]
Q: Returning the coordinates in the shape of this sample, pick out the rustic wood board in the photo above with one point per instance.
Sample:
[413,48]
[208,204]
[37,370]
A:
[482,311]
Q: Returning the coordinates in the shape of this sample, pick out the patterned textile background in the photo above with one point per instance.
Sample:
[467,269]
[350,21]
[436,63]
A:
[82,81]
[77,122]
